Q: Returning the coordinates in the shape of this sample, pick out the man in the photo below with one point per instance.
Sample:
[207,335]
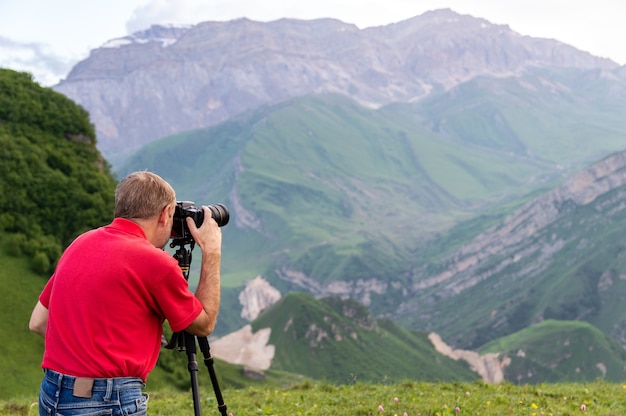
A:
[102,311]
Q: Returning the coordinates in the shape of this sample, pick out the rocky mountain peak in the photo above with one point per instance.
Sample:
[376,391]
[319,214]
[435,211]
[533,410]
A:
[167,80]
[164,35]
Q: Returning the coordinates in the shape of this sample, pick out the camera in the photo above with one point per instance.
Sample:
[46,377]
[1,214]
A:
[185,209]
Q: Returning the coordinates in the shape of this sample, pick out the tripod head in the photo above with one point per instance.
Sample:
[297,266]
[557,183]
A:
[183,254]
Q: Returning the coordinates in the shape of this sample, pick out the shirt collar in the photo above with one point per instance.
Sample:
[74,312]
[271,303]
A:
[127,226]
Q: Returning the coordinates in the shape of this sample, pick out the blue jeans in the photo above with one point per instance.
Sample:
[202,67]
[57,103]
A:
[110,396]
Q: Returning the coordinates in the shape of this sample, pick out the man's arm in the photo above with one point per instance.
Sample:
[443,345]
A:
[39,319]
[209,238]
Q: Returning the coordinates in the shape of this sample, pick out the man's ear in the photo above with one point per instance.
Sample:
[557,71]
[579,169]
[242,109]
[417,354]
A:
[164,214]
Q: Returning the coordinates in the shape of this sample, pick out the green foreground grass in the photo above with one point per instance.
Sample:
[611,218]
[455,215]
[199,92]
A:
[407,398]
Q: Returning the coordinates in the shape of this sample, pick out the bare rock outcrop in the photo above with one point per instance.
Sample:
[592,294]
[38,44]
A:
[245,348]
[257,296]
[489,366]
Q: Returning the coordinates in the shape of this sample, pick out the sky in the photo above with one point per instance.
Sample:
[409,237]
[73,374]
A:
[48,37]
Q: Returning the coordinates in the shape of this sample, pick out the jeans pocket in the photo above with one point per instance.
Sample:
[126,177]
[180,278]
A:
[138,407]
[46,403]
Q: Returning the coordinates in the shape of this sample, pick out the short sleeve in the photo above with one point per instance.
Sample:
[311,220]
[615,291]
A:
[44,297]
[179,306]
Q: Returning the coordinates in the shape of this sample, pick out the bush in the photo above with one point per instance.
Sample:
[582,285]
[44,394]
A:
[40,263]
[54,183]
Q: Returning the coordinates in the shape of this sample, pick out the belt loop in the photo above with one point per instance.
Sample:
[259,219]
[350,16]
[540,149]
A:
[107,395]
[59,385]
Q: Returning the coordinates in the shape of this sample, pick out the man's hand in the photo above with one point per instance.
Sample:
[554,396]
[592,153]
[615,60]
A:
[209,238]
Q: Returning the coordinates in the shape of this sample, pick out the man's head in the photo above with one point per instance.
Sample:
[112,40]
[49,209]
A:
[148,200]
[142,195]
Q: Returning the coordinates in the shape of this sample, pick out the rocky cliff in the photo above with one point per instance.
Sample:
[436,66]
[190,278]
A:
[256,296]
[511,241]
[558,256]
[166,80]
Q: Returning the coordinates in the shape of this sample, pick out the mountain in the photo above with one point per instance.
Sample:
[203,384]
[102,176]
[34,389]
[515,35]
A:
[419,168]
[54,136]
[168,80]
[339,341]
[336,199]
[560,256]
[554,351]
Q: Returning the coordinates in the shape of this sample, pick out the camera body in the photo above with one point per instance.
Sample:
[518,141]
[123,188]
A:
[185,209]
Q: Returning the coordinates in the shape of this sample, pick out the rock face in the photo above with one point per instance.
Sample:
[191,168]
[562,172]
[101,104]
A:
[511,239]
[489,366]
[543,261]
[245,348]
[257,296]
[167,80]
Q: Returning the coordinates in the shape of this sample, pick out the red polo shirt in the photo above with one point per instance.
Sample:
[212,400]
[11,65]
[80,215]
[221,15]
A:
[107,300]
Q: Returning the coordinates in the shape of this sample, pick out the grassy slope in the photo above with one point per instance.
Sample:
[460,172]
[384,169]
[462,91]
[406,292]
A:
[560,351]
[20,349]
[324,175]
[413,398]
[344,192]
[518,115]
[322,170]
[581,280]
[339,341]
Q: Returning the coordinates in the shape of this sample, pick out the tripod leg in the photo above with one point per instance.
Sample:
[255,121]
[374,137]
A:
[190,349]
[208,361]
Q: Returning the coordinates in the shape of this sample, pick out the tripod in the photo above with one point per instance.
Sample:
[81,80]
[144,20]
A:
[184,341]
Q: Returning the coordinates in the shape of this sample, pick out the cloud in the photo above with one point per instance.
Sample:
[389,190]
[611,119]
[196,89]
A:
[165,12]
[45,66]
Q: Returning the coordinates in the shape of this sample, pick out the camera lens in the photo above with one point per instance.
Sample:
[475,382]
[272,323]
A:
[219,213]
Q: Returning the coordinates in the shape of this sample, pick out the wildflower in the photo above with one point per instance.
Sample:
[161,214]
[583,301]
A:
[457,409]
[405,414]
[395,400]
[583,407]
[467,393]
[381,408]
[534,406]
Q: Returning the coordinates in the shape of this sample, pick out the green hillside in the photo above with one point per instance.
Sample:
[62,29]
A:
[339,341]
[566,117]
[53,185]
[324,188]
[580,279]
[561,351]
[21,350]
[332,180]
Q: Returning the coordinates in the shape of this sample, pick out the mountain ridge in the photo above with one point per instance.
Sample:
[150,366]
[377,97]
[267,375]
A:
[546,252]
[215,70]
